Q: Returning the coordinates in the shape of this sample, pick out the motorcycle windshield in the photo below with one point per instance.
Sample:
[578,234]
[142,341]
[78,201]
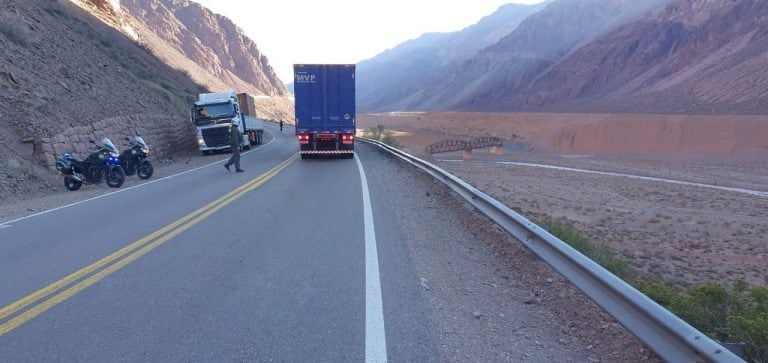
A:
[107,143]
[140,142]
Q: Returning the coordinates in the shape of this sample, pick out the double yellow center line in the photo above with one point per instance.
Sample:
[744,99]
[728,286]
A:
[20,312]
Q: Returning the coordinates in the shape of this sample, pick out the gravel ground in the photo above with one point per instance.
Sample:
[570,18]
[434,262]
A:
[490,298]
[677,233]
[680,234]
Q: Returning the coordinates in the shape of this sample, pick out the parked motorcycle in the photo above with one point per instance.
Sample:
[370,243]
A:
[134,159]
[102,164]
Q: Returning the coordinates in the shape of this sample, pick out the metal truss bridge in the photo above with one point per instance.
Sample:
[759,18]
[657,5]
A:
[459,145]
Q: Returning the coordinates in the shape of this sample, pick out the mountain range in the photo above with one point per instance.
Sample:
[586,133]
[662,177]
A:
[399,77]
[665,56]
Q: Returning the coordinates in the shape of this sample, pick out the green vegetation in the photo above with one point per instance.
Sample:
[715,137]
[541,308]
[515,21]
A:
[730,313]
[378,133]
[600,254]
[726,312]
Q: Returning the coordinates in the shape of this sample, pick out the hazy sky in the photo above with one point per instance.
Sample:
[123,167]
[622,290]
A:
[344,31]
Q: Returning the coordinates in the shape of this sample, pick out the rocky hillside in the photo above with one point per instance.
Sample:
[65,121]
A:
[209,40]
[208,47]
[692,56]
[62,69]
[402,77]
[525,44]
[540,41]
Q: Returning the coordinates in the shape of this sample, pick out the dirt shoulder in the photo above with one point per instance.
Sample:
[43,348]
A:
[489,298]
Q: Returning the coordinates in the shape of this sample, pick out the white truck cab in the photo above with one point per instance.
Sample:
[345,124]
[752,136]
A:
[212,115]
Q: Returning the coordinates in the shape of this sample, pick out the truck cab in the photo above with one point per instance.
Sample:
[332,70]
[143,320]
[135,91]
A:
[212,115]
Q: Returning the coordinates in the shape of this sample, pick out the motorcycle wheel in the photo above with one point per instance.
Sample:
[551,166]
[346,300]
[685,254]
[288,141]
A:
[145,170]
[72,184]
[116,177]
[129,168]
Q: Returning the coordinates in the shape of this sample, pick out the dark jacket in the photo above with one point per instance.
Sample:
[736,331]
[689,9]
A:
[235,137]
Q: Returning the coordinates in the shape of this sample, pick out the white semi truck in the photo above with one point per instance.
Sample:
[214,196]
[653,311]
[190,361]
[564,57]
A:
[212,115]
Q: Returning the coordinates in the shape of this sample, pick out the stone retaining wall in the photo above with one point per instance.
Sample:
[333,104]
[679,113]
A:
[162,133]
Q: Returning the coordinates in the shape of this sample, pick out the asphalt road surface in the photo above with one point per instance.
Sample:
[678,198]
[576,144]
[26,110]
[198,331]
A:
[281,262]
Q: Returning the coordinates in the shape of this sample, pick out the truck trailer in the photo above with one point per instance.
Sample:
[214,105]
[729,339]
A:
[325,109]
[255,129]
[213,114]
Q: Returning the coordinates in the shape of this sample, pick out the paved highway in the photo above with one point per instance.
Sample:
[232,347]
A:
[207,265]
[278,263]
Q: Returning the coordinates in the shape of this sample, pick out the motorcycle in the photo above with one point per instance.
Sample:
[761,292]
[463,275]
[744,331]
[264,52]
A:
[102,164]
[134,159]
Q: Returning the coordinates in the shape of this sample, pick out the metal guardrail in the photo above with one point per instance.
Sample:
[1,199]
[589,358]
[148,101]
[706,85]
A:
[668,336]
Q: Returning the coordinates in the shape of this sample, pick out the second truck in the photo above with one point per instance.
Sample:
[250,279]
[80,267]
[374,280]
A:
[325,109]
[213,113]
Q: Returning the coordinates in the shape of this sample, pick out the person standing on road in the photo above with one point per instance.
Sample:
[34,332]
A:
[281,125]
[235,138]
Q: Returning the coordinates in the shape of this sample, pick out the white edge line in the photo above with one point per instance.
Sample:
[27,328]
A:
[670,181]
[375,334]
[129,188]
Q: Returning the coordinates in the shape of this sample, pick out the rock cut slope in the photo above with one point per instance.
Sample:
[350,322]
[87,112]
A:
[63,69]
[208,47]
[209,40]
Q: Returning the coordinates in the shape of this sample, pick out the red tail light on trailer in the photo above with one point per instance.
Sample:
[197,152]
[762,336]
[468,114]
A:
[347,139]
[303,138]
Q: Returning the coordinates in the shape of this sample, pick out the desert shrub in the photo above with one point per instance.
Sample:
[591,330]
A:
[735,313]
[707,308]
[390,140]
[660,292]
[602,255]
[753,332]
[375,133]
[749,324]
[378,133]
